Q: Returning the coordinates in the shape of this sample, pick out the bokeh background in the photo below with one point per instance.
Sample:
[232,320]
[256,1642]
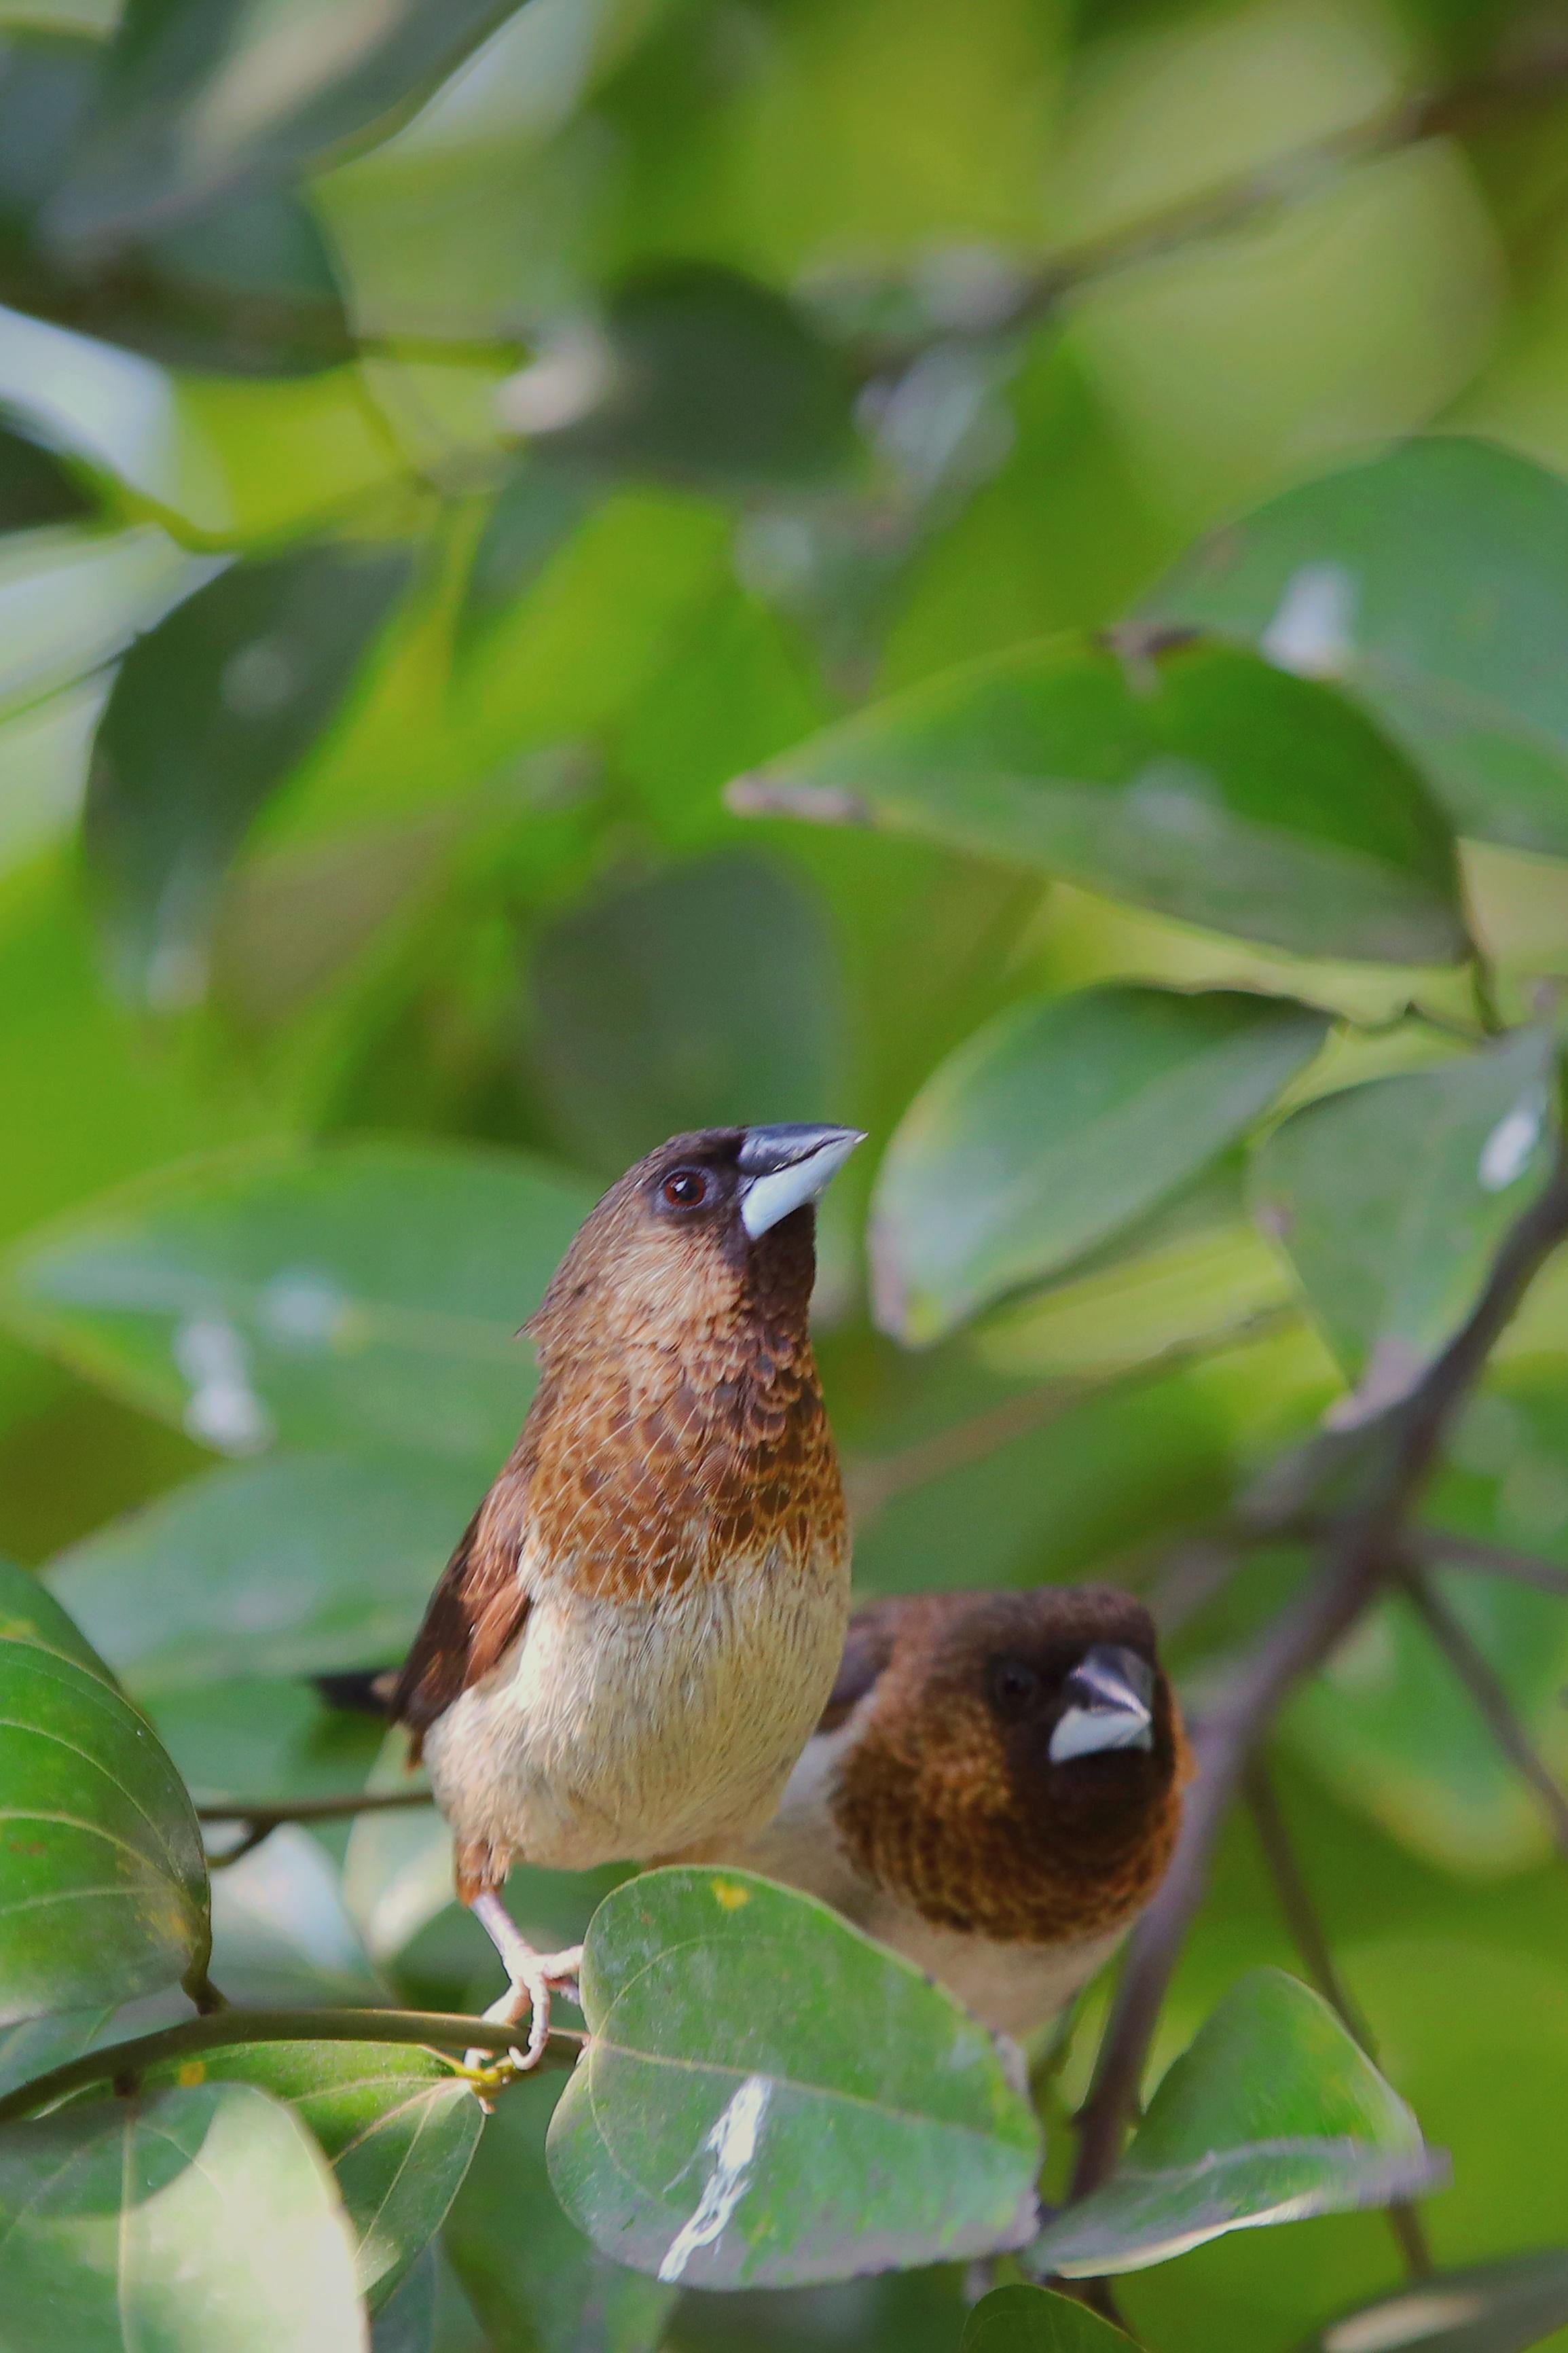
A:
[618,390]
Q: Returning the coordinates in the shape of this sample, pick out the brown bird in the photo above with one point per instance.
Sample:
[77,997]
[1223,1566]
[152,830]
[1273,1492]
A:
[994,1790]
[641,1625]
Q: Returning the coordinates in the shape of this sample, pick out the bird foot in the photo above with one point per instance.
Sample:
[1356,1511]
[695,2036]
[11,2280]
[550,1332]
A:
[535,1977]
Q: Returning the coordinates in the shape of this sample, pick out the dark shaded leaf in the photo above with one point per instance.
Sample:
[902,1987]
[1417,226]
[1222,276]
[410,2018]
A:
[1271,2114]
[1188,777]
[1059,1124]
[1434,581]
[201,2216]
[537,509]
[102,1883]
[210,710]
[35,487]
[768,2097]
[1500,2308]
[706,998]
[1032,2320]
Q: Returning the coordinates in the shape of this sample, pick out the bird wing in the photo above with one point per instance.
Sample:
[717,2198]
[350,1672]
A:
[475,1612]
[867,1647]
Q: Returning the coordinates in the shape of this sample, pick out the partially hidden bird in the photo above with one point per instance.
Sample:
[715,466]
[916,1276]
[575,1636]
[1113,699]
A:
[643,1620]
[994,1790]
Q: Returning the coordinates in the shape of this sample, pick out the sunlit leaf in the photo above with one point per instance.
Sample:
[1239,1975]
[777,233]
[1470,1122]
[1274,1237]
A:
[200,2216]
[209,711]
[361,1291]
[1057,1125]
[769,2097]
[1500,2307]
[1390,1199]
[1033,2320]
[1191,778]
[103,1885]
[1433,581]
[1272,2113]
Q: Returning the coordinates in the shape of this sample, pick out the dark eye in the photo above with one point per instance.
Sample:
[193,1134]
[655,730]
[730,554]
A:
[687,1188]
[1015,1686]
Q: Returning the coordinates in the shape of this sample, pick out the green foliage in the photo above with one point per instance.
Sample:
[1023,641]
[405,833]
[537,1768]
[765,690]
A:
[1489,2308]
[1031,2320]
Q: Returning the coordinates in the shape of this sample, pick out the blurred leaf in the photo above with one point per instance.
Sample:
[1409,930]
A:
[287,1568]
[102,1884]
[200,96]
[282,1938]
[233,1739]
[1032,2320]
[1272,2113]
[1188,777]
[203,2216]
[537,2283]
[359,1291]
[708,998]
[1432,580]
[397,1876]
[396,2126]
[70,600]
[1392,1198]
[1058,1124]
[537,509]
[35,487]
[210,710]
[769,2097]
[39,2044]
[697,375]
[1500,2308]
[406,2321]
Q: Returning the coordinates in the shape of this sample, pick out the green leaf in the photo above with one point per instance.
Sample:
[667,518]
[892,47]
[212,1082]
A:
[703,375]
[768,2097]
[1059,1124]
[201,2216]
[357,1292]
[1500,2307]
[1433,582]
[210,710]
[286,1568]
[35,487]
[39,2044]
[1033,2320]
[102,1883]
[1390,1199]
[169,131]
[282,1936]
[1272,2113]
[1191,778]
[636,1042]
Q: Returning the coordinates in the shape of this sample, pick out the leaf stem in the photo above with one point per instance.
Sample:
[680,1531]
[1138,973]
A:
[123,2063]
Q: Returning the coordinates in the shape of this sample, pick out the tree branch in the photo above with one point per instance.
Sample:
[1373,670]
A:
[1494,1560]
[124,2063]
[261,1816]
[1492,1699]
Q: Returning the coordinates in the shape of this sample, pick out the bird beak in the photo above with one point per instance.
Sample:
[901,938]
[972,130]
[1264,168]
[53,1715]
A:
[782,1168]
[1110,1694]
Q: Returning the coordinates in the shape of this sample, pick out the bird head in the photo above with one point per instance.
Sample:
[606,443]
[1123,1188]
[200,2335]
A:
[708,1224]
[1013,1769]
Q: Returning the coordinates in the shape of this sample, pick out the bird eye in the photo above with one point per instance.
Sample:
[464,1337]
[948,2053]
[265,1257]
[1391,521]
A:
[687,1188]
[1015,1686]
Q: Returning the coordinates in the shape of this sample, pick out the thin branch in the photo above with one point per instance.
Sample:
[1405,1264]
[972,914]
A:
[265,1814]
[1492,1699]
[124,2063]
[1495,1560]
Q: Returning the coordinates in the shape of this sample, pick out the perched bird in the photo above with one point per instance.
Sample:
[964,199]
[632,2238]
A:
[630,1646]
[994,1790]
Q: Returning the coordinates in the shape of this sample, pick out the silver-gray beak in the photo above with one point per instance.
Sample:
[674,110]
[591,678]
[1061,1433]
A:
[782,1168]
[1111,1694]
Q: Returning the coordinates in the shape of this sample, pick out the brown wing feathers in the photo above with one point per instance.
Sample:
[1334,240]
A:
[475,1611]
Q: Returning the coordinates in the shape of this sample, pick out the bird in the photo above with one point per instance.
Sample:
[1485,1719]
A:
[994,1790]
[641,1624]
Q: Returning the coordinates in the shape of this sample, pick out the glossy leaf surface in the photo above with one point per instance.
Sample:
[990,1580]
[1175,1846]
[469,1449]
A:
[132,2224]
[1033,2320]
[1272,2113]
[1059,1124]
[102,1884]
[1500,2307]
[768,2097]
[1193,780]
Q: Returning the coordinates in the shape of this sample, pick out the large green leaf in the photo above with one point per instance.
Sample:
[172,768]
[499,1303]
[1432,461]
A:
[1193,780]
[39,2044]
[291,1567]
[1272,2113]
[201,2216]
[102,1883]
[769,2097]
[1057,1125]
[639,1039]
[1392,1197]
[1501,2307]
[210,710]
[1434,581]
[1033,2320]
[361,1291]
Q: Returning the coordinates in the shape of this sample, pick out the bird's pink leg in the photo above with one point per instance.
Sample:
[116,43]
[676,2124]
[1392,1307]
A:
[532,1978]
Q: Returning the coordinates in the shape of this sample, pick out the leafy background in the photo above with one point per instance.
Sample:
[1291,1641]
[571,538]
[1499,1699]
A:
[445,447]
